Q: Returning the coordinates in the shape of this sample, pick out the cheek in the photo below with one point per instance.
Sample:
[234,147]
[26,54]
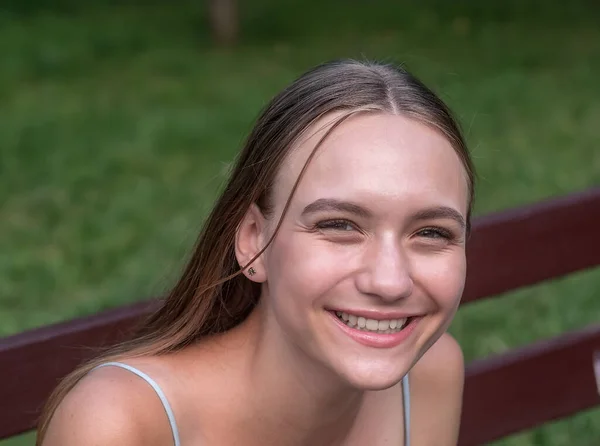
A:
[443,278]
[301,271]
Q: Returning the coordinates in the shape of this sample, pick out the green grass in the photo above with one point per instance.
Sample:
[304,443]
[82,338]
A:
[117,124]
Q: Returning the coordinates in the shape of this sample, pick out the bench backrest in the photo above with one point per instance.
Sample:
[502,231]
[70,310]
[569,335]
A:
[503,394]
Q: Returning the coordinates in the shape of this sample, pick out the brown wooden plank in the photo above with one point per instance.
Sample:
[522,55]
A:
[530,386]
[34,361]
[530,244]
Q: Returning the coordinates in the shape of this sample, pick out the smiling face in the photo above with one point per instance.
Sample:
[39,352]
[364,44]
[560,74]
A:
[368,266]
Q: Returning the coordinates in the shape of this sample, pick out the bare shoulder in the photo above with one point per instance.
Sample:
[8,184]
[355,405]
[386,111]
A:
[437,382]
[109,406]
[443,363]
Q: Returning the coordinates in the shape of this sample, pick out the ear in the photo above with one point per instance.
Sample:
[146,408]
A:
[249,240]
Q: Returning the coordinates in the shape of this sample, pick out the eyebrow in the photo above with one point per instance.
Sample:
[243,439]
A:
[441,212]
[331,204]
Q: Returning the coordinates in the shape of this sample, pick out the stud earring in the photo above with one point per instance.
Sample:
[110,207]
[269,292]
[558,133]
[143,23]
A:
[251,271]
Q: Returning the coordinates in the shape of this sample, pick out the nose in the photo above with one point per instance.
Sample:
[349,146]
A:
[386,271]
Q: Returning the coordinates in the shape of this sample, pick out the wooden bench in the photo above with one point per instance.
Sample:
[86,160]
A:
[504,394]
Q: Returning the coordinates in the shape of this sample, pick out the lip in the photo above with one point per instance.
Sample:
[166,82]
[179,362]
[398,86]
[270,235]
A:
[375,314]
[377,340]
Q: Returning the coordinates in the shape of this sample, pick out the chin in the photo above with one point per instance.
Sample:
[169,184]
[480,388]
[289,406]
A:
[373,376]
[376,384]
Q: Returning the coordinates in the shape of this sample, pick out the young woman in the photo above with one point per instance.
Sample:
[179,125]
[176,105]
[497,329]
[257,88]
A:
[314,309]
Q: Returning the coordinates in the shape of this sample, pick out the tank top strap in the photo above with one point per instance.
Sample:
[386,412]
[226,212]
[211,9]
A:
[406,402]
[157,389]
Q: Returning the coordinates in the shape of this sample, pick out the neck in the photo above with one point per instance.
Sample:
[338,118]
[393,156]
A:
[300,402]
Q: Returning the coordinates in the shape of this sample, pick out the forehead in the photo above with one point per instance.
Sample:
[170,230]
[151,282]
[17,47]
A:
[378,158]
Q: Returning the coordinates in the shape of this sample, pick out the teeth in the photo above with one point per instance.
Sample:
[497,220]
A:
[372,324]
[361,323]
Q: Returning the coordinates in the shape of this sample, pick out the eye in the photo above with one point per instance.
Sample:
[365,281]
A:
[336,225]
[435,233]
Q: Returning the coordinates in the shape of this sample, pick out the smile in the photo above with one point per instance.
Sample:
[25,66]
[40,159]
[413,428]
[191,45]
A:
[378,333]
[385,326]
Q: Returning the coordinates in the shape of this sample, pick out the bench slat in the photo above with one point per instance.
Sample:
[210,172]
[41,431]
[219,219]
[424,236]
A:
[33,362]
[527,245]
[530,386]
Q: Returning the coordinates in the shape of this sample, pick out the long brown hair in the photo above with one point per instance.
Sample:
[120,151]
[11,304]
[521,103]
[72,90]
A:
[212,295]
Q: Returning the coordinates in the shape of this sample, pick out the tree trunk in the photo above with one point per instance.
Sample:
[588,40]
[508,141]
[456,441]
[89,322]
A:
[224,21]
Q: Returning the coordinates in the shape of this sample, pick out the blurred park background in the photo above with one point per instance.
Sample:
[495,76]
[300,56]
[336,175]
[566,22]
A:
[118,121]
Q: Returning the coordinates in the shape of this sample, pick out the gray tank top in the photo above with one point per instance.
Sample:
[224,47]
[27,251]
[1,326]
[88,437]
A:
[171,416]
